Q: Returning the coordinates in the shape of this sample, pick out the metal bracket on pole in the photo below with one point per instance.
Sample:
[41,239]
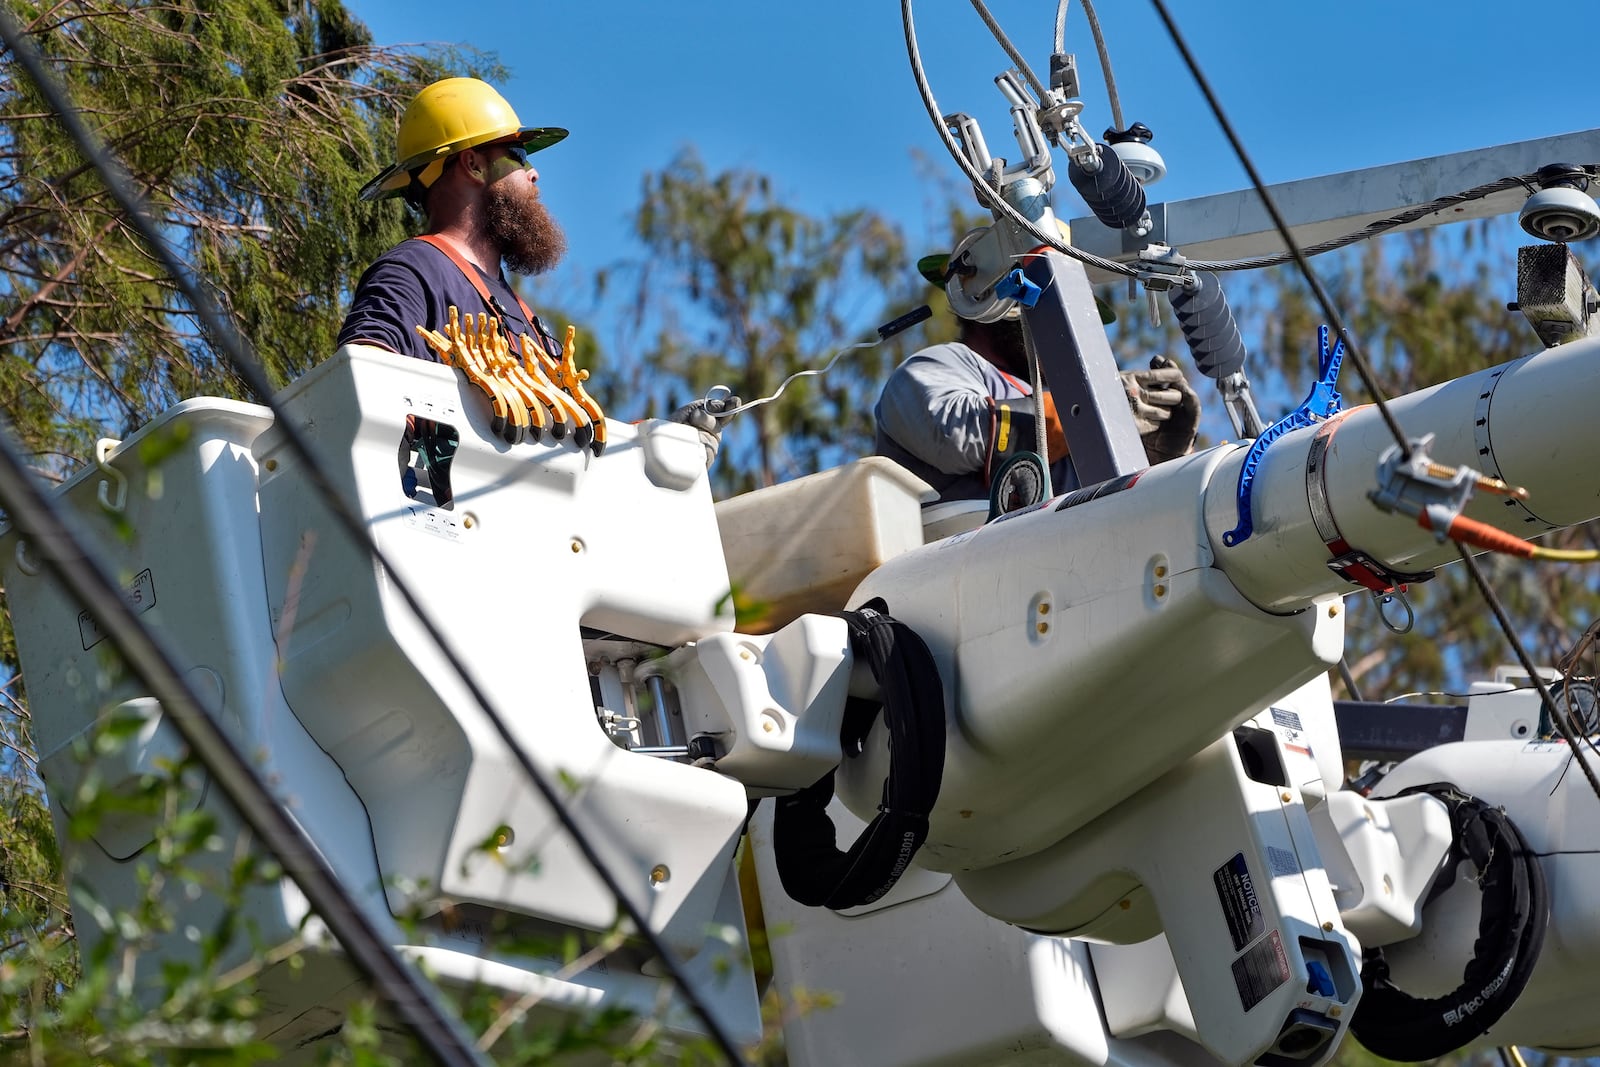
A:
[1080,370]
[1233,225]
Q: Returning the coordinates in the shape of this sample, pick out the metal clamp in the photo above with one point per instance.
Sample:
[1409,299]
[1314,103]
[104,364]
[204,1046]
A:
[1417,486]
[1030,138]
[1163,268]
[1358,568]
[965,129]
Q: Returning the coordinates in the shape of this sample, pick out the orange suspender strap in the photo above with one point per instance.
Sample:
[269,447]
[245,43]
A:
[1022,387]
[472,275]
[1002,427]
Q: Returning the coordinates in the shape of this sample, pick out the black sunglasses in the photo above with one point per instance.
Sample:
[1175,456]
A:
[517,153]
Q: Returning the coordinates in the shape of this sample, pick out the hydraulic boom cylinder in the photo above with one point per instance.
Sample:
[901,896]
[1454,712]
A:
[1093,643]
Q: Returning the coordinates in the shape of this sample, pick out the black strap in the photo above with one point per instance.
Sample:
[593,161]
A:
[813,870]
[1511,925]
[1012,431]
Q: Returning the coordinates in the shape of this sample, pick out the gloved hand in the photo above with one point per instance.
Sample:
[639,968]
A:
[708,415]
[1166,409]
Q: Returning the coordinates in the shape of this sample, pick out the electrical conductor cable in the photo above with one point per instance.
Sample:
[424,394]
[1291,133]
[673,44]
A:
[1358,358]
[235,350]
[1357,355]
[1100,48]
[979,182]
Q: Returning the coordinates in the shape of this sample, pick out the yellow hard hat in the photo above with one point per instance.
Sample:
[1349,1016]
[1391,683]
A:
[447,117]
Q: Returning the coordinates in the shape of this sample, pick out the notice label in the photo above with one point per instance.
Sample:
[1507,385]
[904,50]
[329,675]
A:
[1260,970]
[141,597]
[435,521]
[1286,719]
[1236,892]
[1290,731]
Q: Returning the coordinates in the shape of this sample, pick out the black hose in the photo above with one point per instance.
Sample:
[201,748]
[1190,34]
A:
[811,867]
[1511,926]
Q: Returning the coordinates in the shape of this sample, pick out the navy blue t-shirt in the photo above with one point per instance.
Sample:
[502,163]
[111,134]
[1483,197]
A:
[414,284]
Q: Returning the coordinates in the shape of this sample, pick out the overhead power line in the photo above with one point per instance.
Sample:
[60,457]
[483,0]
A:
[38,515]
[1358,358]
[238,354]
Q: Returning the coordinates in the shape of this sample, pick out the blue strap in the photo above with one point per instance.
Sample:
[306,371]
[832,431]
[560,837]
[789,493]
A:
[1323,402]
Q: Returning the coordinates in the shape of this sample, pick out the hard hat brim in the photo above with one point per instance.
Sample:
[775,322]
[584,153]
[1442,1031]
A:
[936,270]
[395,179]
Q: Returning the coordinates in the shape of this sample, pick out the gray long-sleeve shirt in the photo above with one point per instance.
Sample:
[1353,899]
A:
[934,418]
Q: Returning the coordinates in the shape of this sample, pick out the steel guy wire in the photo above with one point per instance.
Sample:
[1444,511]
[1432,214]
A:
[1039,91]
[1100,50]
[235,349]
[1359,360]
[1557,717]
[1349,679]
[1357,355]
[980,184]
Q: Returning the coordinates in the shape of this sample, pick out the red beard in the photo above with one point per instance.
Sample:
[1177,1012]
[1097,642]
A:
[530,241]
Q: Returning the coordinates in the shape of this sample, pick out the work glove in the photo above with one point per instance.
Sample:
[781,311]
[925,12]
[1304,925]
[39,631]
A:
[708,415]
[1165,407]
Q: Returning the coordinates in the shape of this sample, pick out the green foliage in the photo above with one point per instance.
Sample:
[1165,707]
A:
[768,291]
[248,126]
[37,958]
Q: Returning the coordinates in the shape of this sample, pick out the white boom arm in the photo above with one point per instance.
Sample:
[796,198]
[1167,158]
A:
[1140,739]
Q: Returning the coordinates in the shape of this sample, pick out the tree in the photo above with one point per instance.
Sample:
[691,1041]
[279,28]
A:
[248,126]
[769,291]
[37,957]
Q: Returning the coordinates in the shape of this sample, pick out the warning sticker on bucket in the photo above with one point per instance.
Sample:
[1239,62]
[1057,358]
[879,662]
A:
[1260,970]
[1240,906]
[141,597]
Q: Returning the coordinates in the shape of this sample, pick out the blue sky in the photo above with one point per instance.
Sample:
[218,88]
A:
[819,95]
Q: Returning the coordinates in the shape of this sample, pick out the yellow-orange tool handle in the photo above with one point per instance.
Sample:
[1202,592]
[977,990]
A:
[509,372]
[536,365]
[540,397]
[501,422]
[440,344]
[483,344]
[571,379]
